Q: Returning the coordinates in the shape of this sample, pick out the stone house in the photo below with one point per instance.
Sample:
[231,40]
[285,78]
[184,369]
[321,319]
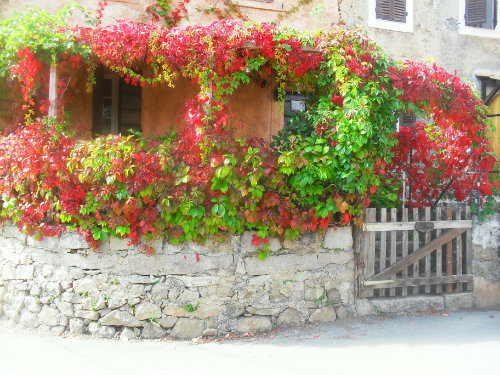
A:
[460,35]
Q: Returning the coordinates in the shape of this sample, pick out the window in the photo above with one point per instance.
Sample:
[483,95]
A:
[407,119]
[117,105]
[480,13]
[295,103]
[396,15]
[479,18]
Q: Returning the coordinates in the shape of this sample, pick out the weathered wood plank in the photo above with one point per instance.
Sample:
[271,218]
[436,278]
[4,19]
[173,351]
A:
[417,281]
[439,254]
[369,245]
[410,225]
[449,253]
[468,248]
[418,254]
[458,216]
[404,251]
[427,260]
[416,245]
[393,259]
[383,246]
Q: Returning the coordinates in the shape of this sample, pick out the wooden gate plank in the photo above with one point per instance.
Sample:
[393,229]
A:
[418,254]
[458,215]
[439,254]
[372,284]
[449,253]
[427,217]
[468,248]
[410,225]
[394,218]
[383,247]
[404,251]
[416,245]
[369,246]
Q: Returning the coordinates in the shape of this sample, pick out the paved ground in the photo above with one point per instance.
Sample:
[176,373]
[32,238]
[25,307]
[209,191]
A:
[458,343]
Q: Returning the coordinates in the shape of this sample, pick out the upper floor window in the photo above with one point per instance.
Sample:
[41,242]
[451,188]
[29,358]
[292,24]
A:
[479,18]
[394,15]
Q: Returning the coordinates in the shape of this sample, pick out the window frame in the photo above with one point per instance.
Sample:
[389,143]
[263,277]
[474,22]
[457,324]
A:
[477,31]
[405,27]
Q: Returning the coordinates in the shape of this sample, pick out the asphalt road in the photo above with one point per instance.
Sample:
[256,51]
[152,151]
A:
[457,343]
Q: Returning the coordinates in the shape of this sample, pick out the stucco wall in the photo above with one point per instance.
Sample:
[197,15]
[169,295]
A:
[199,11]
[435,35]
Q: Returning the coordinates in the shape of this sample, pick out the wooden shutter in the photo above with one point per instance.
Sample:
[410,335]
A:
[391,10]
[475,12]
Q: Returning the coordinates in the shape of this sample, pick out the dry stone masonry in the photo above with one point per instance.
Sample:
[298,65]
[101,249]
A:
[185,291]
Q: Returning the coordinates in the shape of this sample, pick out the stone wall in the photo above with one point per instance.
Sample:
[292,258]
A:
[59,284]
[486,262]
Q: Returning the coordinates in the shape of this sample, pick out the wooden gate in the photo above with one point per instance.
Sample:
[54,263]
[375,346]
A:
[405,251]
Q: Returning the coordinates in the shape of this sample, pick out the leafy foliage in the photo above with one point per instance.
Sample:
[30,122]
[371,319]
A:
[342,157]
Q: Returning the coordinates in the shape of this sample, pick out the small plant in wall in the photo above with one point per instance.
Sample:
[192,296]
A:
[153,318]
[264,250]
[190,308]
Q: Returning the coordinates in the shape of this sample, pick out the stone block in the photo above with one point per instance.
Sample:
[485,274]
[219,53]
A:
[12,231]
[147,310]
[152,331]
[342,312]
[94,302]
[486,293]
[116,302]
[71,297]
[187,329]
[73,240]
[189,296]
[195,281]
[127,334]
[254,324]
[119,318]
[117,244]
[307,242]
[50,316]
[76,326]
[248,248]
[32,304]
[168,321]
[45,243]
[323,315]
[288,318]
[286,262]
[29,319]
[25,272]
[333,296]
[8,272]
[457,301]
[339,238]
[408,304]
[206,309]
[105,332]
[209,332]
[176,264]
[88,315]
[65,308]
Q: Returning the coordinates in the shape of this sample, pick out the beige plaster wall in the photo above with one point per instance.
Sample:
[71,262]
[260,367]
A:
[435,35]
[201,12]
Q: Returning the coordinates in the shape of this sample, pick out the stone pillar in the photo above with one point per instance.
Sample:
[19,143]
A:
[486,261]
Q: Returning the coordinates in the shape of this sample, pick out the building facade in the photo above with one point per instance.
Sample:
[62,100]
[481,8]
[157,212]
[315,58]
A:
[461,35]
